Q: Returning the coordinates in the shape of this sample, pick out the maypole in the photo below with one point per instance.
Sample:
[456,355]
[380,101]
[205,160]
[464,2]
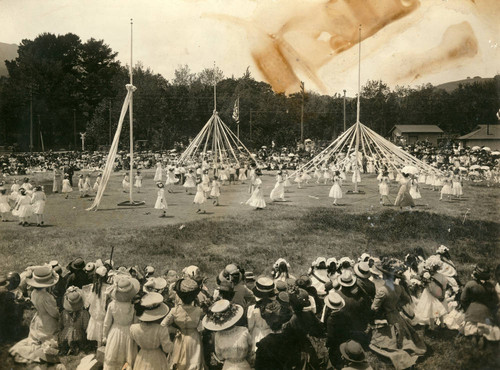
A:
[357,133]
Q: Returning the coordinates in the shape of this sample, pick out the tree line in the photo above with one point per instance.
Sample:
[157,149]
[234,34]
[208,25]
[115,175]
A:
[66,86]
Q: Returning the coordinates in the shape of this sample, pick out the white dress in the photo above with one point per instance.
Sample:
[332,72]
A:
[189,183]
[154,341]
[125,183]
[279,189]
[257,198]
[414,192]
[120,348]
[356,176]
[336,190]
[4,204]
[215,189]
[161,201]
[257,326]
[23,207]
[457,186]
[38,200]
[14,192]
[96,183]
[233,347]
[66,186]
[171,179]
[242,176]
[138,181]
[383,186]
[158,173]
[199,197]
[97,311]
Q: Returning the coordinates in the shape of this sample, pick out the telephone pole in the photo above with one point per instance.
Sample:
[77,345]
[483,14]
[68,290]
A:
[31,118]
[344,112]
[302,89]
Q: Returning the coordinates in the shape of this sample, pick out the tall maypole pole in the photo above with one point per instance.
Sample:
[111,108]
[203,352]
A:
[358,123]
[131,117]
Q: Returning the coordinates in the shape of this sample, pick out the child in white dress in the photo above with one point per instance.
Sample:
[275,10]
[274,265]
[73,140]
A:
[457,185]
[299,179]
[66,186]
[4,205]
[23,209]
[383,189]
[446,190]
[257,198]
[14,190]
[190,181]
[38,200]
[126,183]
[158,172]
[278,193]
[86,186]
[80,186]
[215,192]
[414,189]
[161,201]
[336,189]
[199,197]
[97,182]
[138,181]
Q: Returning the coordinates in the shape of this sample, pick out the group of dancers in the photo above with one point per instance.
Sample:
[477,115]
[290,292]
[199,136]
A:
[24,201]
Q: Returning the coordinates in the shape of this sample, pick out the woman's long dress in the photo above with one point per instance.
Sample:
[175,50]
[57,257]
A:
[199,197]
[154,342]
[43,328]
[187,353]
[257,198]
[120,348]
[56,185]
[279,189]
[23,207]
[97,311]
[336,190]
[161,201]
[404,199]
[38,202]
[257,326]
[393,337]
[233,347]
[158,173]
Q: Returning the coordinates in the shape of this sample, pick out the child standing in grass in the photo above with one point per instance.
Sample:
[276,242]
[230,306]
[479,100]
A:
[446,189]
[257,198]
[66,186]
[161,201]
[383,189]
[38,200]
[199,197]
[80,186]
[336,189]
[215,193]
[23,209]
[86,186]
[4,205]
[138,181]
[97,182]
[190,181]
[125,183]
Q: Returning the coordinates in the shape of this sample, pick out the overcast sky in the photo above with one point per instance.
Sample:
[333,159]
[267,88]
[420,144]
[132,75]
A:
[169,33]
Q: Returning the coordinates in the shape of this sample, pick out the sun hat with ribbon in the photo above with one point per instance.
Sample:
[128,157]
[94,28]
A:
[73,299]
[347,279]
[101,271]
[249,277]
[153,307]
[154,284]
[362,270]
[89,267]
[42,277]
[222,315]
[193,272]
[264,287]
[352,351]
[334,301]
[125,288]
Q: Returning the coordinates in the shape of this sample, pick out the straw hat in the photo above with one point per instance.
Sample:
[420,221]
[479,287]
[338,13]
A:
[334,301]
[193,272]
[42,277]
[154,284]
[77,264]
[89,267]
[264,287]
[249,277]
[125,288]
[362,270]
[73,299]
[352,351]
[222,315]
[347,279]
[101,271]
[154,308]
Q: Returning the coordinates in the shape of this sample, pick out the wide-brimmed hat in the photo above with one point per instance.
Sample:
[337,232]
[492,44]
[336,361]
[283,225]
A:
[193,272]
[73,299]
[347,279]
[77,264]
[149,270]
[101,271]
[125,288]
[222,315]
[160,184]
[249,277]
[281,286]
[154,284]
[264,287]
[318,261]
[334,301]
[352,351]
[362,270]
[232,269]
[42,277]
[154,308]
[481,272]
[89,267]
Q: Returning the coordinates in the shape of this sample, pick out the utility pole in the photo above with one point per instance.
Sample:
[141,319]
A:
[302,114]
[39,128]
[74,129]
[344,113]
[31,118]
[110,122]
[250,124]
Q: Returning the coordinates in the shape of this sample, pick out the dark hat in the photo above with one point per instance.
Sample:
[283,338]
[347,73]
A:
[352,351]
[77,264]
[481,272]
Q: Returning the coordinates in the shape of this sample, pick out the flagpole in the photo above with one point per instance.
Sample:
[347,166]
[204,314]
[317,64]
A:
[131,116]
[357,132]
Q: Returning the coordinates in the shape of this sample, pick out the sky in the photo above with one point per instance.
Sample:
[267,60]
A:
[405,42]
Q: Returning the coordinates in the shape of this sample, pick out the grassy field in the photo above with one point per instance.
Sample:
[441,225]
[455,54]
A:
[298,230]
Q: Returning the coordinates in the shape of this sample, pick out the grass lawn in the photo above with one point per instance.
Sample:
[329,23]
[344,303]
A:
[298,230]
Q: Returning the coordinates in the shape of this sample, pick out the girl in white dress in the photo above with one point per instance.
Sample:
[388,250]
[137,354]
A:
[446,190]
[38,200]
[23,209]
[257,198]
[383,189]
[80,186]
[356,175]
[306,177]
[336,189]
[126,183]
[158,172]
[299,179]
[205,180]
[199,197]
[66,186]
[86,185]
[4,205]
[171,179]
[414,189]
[190,181]
[97,182]
[278,193]
[317,174]
[161,201]
[242,176]
[251,177]
[215,192]
[27,186]
[223,175]
[14,190]
[457,185]
[138,181]
[326,174]
[97,305]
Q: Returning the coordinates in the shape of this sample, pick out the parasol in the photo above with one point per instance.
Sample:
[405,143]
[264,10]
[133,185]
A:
[410,170]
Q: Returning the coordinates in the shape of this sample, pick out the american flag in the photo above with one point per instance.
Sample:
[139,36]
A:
[236,111]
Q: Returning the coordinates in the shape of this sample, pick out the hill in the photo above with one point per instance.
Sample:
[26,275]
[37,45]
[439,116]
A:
[452,85]
[7,52]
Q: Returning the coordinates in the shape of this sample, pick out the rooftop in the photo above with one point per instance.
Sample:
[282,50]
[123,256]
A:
[418,128]
[482,133]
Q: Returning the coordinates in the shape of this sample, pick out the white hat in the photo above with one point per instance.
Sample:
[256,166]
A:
[222,315]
